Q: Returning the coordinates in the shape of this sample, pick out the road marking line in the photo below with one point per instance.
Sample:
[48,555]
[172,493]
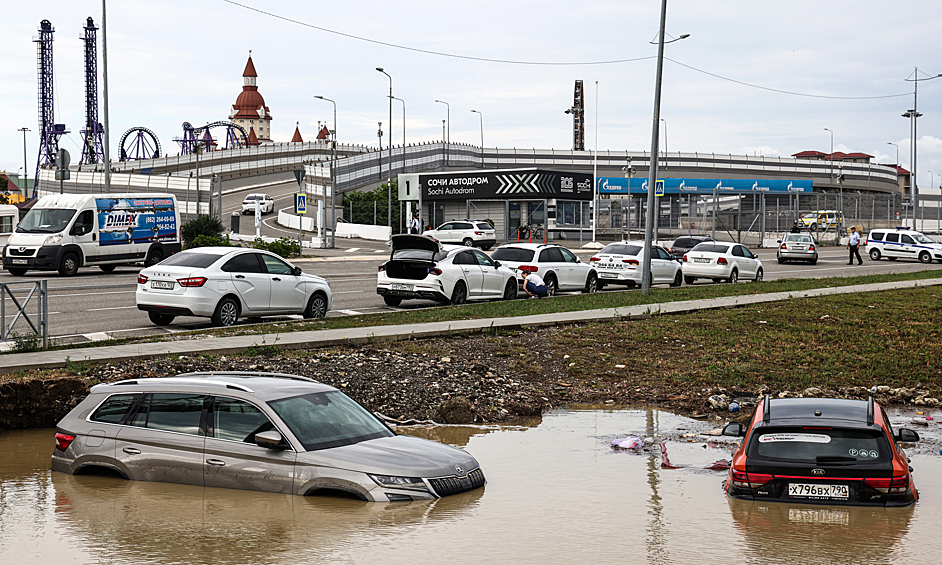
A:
[380,251]
[111,308]
[351,250]
[349,312]
[97,336]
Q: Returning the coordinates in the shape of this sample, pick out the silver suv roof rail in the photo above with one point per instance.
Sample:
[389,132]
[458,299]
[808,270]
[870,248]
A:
[183,379]
[248,374]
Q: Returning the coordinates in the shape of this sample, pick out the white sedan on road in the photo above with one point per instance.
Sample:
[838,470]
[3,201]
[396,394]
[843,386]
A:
[421,267]
[559,267]
[621,263]
[721,260]
[266,205]
[225,283]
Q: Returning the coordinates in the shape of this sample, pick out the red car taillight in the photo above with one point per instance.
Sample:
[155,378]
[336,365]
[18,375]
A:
[528,268]
[478,233]
[685,257]
[63,441]
[721,261]
[435,271]
[630,261]
[141,279]
[192,281]
[593,259]
[784,246]
[750,480]
[894,485]
[811,248]
[382,267]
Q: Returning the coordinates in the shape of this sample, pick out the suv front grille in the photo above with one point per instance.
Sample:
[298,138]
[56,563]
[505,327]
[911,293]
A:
[453,485]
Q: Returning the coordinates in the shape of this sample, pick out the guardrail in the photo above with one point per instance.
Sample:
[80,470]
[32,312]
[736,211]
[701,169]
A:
[40,328]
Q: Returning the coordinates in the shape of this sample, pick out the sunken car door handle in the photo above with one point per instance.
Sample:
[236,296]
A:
[131,451]
[216,462]
[240,276]
[275,279]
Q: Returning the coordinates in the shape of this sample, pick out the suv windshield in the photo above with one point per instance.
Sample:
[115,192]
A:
[45,220]
[512,254]
[820,445]
[328,419]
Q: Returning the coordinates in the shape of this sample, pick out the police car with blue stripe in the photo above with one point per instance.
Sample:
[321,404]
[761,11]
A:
[901,242]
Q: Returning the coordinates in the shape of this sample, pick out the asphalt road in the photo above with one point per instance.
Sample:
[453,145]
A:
[94,305]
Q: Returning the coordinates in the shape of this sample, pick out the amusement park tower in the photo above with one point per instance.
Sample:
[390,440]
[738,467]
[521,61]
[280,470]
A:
[250,110]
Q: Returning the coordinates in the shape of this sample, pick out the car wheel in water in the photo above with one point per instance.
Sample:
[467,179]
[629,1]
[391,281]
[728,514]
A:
[591,283]
[160,319]
[690,280]
[17,271]
[227,312]
[678,279]
[875,254]
[467,242]
[460,294]
[107,268]
[924,257]
[552,287]
[392,300]
[733,277]
[316,306]
[510,291]
[758,275]
[155,256]
[70,265]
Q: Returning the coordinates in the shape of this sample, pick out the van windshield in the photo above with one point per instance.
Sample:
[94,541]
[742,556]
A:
[45,220]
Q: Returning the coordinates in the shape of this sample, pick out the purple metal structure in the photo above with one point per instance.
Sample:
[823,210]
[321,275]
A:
[49,130]
[93,150]
[144,144]
[233,141]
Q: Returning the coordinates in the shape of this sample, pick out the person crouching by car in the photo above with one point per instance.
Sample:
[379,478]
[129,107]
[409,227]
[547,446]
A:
[534,285]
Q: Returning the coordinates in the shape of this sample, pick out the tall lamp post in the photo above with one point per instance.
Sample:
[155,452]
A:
[389,191]
[665,142]
[652,177]
[447,139]
[480,115]
[913,114]
[401,219]
[831,155]
[104,92]
[24,130]
[333,178]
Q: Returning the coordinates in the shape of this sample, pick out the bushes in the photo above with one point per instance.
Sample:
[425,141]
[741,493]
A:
[204,240]
[208,226]
[282,247]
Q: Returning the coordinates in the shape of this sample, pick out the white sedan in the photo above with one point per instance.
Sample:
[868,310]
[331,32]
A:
[621,263]
[266,205]
[224,283]
[421,267]
[721,260]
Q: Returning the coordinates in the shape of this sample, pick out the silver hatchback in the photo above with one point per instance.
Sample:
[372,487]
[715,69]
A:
[254,431]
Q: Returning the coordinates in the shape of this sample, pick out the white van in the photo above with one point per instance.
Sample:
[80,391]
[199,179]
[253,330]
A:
[63,232]
[9,218]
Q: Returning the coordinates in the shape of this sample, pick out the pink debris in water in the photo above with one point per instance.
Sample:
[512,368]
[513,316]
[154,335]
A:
[665,462]
[929,418]
[721,465]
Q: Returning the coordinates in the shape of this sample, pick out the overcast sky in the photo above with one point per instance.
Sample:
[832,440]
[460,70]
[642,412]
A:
[171,61]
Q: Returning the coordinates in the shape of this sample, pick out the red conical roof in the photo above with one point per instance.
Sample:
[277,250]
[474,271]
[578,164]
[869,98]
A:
[253,139]
[249,69]
[297,135]
[324,133]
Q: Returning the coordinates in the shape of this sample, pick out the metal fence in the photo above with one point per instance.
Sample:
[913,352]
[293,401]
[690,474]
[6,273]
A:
[754,219]
[18,296]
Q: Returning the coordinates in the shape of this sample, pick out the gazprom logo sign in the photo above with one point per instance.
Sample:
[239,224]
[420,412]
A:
[618,185]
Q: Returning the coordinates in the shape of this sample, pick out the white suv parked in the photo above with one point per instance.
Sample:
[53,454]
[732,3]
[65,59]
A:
[559,268]
[902,242]
[470,233]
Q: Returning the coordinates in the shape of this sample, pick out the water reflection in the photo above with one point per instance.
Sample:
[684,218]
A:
[789,533]
[134,521]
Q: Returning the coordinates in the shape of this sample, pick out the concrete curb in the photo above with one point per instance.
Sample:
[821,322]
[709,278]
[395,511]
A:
[12,363]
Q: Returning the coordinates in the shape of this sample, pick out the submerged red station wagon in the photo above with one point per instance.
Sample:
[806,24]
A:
[821,451]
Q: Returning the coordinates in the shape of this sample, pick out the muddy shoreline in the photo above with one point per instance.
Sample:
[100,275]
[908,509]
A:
[461,380]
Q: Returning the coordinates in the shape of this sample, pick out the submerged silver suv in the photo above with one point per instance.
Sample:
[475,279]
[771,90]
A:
[254,431]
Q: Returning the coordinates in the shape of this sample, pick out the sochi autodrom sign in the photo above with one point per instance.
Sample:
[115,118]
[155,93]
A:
[525,184]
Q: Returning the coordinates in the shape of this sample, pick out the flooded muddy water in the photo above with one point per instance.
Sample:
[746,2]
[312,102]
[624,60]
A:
[556,493]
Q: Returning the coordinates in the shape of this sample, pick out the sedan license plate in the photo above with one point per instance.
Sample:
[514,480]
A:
[608,275]
[162,285]
[18,261]
[805,490]
[396,286]
[799,248]
[699,260]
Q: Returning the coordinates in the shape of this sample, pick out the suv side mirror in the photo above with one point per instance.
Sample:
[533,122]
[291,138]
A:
[734,429]
[269,440]
[907,435]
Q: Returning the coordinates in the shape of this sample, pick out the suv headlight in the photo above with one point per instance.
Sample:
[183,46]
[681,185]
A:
[387,481]
[56,238]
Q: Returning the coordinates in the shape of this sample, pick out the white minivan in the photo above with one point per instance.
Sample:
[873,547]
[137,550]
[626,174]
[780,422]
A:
[63,232]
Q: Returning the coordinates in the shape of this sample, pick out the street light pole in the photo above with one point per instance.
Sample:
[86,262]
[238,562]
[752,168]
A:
[389,187]
[447,139]
[480,115]
[831,155]
[665,142]
[24,130]
[104,92]
[652,176]
[333,178]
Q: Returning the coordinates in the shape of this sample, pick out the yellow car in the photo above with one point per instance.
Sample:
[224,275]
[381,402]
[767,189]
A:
[822,220]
